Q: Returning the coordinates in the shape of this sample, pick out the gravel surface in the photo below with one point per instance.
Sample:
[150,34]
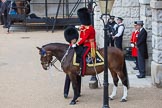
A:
[24,84]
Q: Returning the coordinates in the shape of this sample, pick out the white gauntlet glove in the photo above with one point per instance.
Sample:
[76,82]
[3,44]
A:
[74,45]
[77,27]
[132,45]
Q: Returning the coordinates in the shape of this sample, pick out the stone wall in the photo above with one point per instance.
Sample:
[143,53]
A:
[156,65]
[129,10]
[98,24]
[146,16]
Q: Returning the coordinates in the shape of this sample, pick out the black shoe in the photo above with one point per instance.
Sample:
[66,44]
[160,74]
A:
[135,68]
[5,27]
[65,95]
[140,76]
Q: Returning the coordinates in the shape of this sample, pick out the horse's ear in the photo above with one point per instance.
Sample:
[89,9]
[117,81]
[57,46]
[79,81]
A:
[39,48]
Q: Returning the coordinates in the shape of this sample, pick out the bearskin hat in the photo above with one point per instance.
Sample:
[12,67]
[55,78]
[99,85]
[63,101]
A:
[84,16]
[71,33]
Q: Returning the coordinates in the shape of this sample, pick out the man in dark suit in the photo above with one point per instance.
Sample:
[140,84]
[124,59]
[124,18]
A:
[142,49]
[1,18]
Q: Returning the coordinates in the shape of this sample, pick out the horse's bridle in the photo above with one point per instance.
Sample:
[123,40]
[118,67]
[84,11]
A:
[52,63]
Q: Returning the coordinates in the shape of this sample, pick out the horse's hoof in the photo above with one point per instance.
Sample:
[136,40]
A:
[65,96]
[111,98]
[77,100]
[79,95]
[123,100]
[72,103]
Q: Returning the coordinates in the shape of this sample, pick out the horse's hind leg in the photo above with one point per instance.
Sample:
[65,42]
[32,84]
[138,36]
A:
[115,80]
[125,86]
[74,81]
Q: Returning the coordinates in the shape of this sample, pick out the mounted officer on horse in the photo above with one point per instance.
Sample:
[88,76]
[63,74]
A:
[87,38]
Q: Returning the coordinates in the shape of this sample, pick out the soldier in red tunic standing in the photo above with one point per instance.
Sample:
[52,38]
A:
[87,37]
[133,44]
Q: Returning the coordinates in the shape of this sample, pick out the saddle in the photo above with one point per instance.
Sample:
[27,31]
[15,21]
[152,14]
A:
[99,60]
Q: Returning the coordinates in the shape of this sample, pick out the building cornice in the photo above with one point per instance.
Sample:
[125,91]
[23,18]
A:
[144,1]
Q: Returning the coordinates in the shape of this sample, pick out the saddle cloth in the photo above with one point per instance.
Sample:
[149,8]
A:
[98,61]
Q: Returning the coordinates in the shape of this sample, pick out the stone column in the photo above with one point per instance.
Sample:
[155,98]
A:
[146,16]
[156,65]
[98,24]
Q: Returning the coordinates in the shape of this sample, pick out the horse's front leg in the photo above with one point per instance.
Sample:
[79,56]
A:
[115,80]
[74,81]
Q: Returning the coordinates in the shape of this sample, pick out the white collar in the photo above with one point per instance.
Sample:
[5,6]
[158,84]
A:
[136,31]
[120,24]
[141,29]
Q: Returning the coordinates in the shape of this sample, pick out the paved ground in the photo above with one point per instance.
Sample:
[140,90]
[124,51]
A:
[24,84]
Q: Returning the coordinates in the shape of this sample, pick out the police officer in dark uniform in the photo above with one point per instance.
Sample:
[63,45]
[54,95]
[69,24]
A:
[1,18]
[142,49]
[5,10]
[112,25]
[71,36]
[118,37]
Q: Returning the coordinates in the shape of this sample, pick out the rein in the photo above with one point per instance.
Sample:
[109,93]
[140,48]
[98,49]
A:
[67,51]
[53,64]
[54,61]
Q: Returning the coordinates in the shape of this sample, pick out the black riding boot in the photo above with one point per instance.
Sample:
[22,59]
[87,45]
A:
[79,84]
[66,86]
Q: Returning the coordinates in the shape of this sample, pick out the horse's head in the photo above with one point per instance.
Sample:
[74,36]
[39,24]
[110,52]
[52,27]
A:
[46,58]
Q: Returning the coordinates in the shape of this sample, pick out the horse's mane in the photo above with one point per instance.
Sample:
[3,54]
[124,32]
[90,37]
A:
[55,44]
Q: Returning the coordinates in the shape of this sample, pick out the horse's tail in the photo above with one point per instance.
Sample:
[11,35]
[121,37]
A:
[126,81]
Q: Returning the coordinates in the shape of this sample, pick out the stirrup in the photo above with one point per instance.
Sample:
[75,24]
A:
[80,72]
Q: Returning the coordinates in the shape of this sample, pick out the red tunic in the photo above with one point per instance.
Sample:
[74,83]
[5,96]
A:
[134,41]
[87,36]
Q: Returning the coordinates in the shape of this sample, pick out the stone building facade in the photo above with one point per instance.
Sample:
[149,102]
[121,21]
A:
[151,13]
[156,65]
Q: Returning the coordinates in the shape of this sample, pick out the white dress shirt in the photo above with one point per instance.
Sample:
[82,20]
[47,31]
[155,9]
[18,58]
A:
[141,29]
[120,30]
[115,26]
